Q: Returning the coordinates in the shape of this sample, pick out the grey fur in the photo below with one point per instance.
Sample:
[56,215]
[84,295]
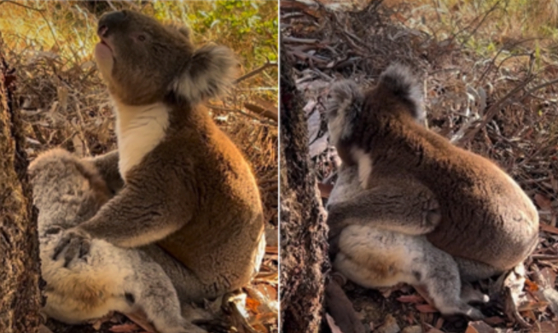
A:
[342,108]
[68,191]
[400,81]
[377,239]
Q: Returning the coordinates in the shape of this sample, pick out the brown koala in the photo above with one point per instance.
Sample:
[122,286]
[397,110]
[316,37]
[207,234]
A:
[411,207]
[187,186]
[485,215]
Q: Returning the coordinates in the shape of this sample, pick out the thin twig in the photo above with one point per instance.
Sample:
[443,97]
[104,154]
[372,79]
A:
[502,49]
[268,113]
[544,85]
[256,71]
[491,112]
[485,16]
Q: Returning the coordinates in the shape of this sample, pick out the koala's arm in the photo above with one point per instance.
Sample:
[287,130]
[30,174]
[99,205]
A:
[387,209]
[142,213]
[107,166]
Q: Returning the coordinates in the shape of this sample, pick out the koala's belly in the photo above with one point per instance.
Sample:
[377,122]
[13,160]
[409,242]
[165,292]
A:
[377,258]
[221,254]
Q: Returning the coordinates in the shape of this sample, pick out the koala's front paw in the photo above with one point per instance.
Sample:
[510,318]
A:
[53,230]
[74,243]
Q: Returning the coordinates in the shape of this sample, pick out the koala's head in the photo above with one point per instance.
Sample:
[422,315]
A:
[343,107]
[144,61]
[351,114]
[57,175]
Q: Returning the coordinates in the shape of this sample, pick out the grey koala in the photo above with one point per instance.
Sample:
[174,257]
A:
[392,247]
[80,287]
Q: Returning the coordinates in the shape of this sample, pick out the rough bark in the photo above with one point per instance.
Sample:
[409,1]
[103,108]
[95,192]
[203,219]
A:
[303,231]
[20,297]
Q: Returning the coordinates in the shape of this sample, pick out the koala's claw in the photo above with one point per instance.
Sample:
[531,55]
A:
[75,243]
[78,247]
[53,230]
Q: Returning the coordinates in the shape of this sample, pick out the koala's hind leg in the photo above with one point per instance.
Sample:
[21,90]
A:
[379,258]
[156,294]
[188,287]
[471,270]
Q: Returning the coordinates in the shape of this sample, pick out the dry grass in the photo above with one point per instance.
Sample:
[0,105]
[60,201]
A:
[65,104]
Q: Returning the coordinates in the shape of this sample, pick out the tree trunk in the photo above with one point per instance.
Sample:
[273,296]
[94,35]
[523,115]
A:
[303,233]
[19,245]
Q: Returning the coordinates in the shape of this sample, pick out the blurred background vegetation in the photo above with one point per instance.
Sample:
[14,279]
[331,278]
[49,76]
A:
[68,28]
[64,102]
[484,26]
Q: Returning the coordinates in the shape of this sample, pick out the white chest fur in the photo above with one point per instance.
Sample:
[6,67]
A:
[139,129]
[364,162]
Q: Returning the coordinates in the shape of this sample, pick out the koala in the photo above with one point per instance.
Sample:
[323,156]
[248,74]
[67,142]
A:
[410,207]
[485,218]
[187,187]
[67,192]
[391,247]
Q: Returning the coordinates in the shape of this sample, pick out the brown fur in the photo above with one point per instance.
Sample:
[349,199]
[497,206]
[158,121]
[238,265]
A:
[486,217]
[193,192]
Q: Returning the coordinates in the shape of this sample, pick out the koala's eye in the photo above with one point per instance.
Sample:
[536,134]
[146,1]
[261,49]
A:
[142,38]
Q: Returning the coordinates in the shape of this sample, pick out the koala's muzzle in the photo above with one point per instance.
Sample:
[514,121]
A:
[110,21]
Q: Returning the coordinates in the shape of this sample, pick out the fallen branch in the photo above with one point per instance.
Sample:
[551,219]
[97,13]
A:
[268,113]
[256,71]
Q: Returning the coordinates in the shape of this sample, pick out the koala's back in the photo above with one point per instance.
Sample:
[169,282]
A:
[486,216]
[500,219]
[224,236]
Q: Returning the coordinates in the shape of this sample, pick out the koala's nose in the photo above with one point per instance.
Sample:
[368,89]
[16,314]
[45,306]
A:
[110,21]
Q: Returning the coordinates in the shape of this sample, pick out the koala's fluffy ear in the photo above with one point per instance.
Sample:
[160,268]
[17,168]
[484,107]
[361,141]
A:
[400,81]
[211,72]
[343,105]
